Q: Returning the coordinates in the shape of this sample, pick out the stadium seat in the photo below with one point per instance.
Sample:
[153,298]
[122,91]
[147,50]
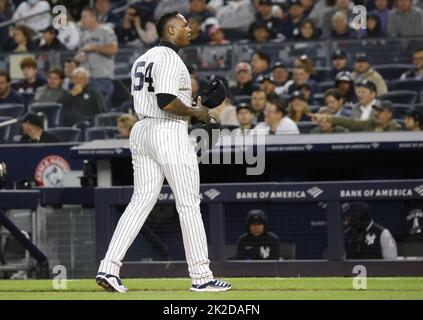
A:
[314,108]
[5,129]
[419,107]
[401,110]
[325,85]
[27,98]
[321,74]
[409,85]
[12,110]
[319,99]
[242,99]
[53,112]
[100,133]
[306,126]
[421,96]
[403,97]
[126,107]
[106,119]
[66,134]
[392,71]
[122,90]
[83,126]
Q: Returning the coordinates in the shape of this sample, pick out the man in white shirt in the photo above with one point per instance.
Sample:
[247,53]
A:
[31,7]
[276,120]
[366,94]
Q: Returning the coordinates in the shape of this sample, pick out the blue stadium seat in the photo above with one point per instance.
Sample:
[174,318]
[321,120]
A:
[66,134]
[391,71]
[325,85]
[401,96]
[307,126]
[53,112]
[319,99]
[421,96]
[27,98]
[126,107]
[411,85]
[242,99]
[5,129]
[401,110]
[13,110]
[100,133]
[106,119]
[83,126]
[122,90]
[419,107]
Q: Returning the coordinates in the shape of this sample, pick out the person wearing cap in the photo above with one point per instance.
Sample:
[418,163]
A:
[326,126]
[345,84]
[265,18]
[416,72]
[292,20]
[276,120]
[339,63]
[406,20]
[52,91]
[217,36]
[267,84]
[281,77]
[364,238]
[335,103]
[298,108]
[363,70]
[381,121]
[257,243]
[33,130]
[244,115]
[413,120]
[244,80]
[49,40]
[366,94]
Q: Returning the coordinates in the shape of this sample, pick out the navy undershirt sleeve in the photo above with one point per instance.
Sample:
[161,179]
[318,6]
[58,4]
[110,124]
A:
[163,99]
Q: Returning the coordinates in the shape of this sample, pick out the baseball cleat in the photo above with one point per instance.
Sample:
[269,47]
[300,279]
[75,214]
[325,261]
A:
[110,283]
[212,286]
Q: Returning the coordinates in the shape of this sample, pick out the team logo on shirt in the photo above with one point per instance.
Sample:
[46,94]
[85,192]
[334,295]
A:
[50,170]
[370,239]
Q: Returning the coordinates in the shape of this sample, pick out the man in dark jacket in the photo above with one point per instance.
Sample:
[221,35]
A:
[33,129]
[365,239]
[257,243]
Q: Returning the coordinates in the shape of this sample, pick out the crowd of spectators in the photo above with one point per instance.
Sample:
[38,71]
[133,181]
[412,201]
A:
[278,97]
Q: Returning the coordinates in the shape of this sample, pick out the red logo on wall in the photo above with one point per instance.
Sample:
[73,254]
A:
[50,170]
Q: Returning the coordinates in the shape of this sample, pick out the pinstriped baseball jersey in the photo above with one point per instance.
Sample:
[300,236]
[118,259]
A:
[159,70]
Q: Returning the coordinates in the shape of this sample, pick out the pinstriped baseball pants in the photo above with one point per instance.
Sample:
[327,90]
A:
[161,148]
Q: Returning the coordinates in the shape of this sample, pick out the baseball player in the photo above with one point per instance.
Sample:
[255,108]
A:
[160,147]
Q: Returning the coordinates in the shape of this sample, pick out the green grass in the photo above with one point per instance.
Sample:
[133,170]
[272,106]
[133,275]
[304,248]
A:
[243,288]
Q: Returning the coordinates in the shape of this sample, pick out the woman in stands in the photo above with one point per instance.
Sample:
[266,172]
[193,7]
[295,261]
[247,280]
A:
[308,30]
[22,39]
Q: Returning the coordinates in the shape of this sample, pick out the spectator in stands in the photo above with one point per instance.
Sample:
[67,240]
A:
[308,30]
[32,79]
[244,115]
[32,7]
[381,121]
[326,126]
[244,79]
[364,239]
[416,72]
[198,36]
[125,122]
[199,7]
[217,36]
[70,34]
[366,94]
[50,41]
[105,14]
[319,11]
[345,84]
[306,62]
[97,52]
[342,6]
[69,66]
[374,26]
[33,130]
[258,104]
[339,63]
[413,120]
[308,6]
[363,70]
[258,243]
[281,77]
[334,103]
[260,62]
[382,11]
[276,120]
[340,28]
[82,102]
[405,20]
[307,92]
[5,9]
[236,14]
[52,91]
[298,108]
[268,85]
[22,40]
[259,32]
[264,17]
[301,75]
[291,22]
[5,14]
[7,94]
[164,6]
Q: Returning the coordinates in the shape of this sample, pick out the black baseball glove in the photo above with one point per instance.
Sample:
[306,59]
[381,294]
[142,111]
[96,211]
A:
[213,94]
